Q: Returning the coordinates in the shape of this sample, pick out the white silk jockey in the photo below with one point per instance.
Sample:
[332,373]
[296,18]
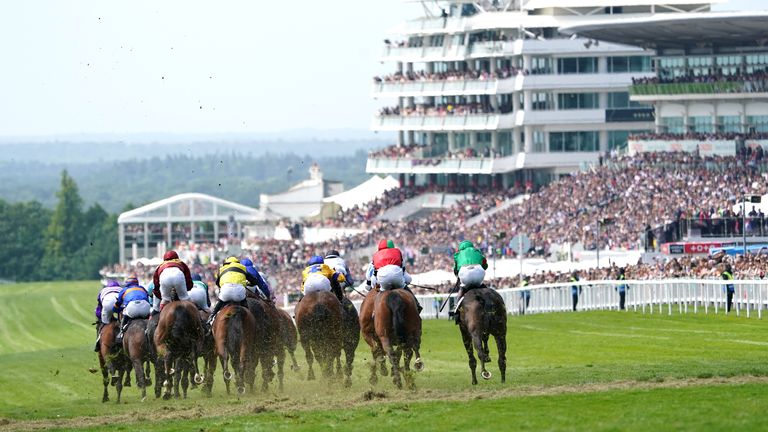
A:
[391,277]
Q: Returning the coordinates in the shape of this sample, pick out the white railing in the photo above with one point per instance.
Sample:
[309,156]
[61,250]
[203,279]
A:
[669,296]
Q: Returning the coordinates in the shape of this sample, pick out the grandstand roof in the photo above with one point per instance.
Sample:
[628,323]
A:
[192,207]
[365,192]
[680,30]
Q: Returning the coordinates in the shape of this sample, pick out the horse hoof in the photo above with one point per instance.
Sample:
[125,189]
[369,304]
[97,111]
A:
[115,381]
[227,375]
[106,399]
[144,399]
[418,366]
[172,371]
[166,383]
[485,374]
[198,379]
[241,390]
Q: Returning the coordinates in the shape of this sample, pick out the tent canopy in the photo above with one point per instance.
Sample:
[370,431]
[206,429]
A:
[365,192]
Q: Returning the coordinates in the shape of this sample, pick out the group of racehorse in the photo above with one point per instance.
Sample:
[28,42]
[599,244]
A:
[259,335]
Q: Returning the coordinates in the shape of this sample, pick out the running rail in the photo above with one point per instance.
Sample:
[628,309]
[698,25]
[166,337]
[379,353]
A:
[665,296]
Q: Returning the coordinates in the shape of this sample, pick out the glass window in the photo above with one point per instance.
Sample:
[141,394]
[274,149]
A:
[541,101]
[700,124]
[618,64]
[639,64]
[578,101]
[462,140]
[577,65]
[541,65]
[729,124]
[567,66]
[587,65]
[757,123]
[585,141]
[505,142]
[538,141]
[672,125]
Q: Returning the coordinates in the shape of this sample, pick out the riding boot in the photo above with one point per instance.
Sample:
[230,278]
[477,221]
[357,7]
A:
[97,347]
[216,309]
[123,327]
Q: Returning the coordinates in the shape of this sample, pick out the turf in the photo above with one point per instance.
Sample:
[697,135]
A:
[597,370]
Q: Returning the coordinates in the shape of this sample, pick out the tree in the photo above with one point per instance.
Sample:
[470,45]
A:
[65,233]
[22,226]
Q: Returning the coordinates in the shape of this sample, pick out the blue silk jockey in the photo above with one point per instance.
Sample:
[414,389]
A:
[104,307]
[263,287]
[132,302]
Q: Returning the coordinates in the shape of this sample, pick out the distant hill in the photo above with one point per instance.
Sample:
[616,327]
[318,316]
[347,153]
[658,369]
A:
[230,174]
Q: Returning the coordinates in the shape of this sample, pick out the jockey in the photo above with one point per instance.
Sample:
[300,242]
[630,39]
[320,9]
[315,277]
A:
[133,302]
[389,271]
[261,284]
[199,293]
[334,260]
[318,276]
[104,307]
[231,278]
[171,275]
[469,266]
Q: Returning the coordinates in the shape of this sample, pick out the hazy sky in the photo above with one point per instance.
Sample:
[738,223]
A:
[194,66]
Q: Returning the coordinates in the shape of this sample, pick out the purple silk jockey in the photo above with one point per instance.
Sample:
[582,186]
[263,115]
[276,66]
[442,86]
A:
[104,308]
[260,282]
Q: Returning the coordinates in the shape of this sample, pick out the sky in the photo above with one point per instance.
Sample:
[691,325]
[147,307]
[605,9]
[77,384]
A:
[195,67]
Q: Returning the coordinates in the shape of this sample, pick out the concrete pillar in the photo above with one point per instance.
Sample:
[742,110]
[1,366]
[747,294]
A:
[602,65]
[516,145]
[451,142]
[400,138]
[685,118]
[602,100]
[169,236]
[215,232]
[657,116]
[528,143]
[192,232]
[743,117]
[603,139]
[146,239]
[411,137]
[527,101]
[495,145]
[121,241]
[527,62]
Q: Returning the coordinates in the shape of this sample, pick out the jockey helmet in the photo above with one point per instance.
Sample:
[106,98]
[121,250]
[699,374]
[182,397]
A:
[197,277]
[131,281]
[170,255]
[112,283]
[333,253]
[383,244]
[316,259]
[231,260]
[390,244]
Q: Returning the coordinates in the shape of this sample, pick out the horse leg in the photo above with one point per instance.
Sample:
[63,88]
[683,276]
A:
[104,379]
[169,375]
[139,370]
[178,375]
[280,367]
[310,358]
[394,359]
[119,385]
[294,364]
[481,353]
[349,356]
[159,376]
[210,369]
[501,344]
[467,339]
[127,382]
[186,369]
[267,375]
[410,382]
[147,373]
[225,369]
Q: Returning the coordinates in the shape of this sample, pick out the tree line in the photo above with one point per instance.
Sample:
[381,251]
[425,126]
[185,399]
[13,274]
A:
[66,242]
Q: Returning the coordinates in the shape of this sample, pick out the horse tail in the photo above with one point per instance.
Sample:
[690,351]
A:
[235,324]
[397,307]
[489,312]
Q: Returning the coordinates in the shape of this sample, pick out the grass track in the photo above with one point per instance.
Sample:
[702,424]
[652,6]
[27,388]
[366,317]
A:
[565,371]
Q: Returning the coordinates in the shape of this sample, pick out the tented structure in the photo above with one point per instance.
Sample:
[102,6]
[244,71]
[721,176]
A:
[189,217]
[365,192]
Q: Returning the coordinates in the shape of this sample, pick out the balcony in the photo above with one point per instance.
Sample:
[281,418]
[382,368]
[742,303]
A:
[491,121]
[432,26]
[443,88]
[597,81]
[562,117]
[710,90]
[423,54]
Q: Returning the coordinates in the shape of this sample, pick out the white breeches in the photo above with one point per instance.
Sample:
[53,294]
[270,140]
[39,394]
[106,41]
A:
[199,298]
[471,275]
[315,283]
[391,277]
[232,293]
[107,305]
[156,304]
[137,309]
[173,279]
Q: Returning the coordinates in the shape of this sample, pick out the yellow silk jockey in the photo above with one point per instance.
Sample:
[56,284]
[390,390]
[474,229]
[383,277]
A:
[318,276]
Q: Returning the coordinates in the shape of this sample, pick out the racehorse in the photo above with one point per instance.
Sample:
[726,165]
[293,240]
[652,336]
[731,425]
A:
[268,344]
[233,333]
[350,339]
[319,318]
[368,331]
[398,328]
[482,313]
[137,348]
[288,335]
[207,350]
[178,333]
[112,360]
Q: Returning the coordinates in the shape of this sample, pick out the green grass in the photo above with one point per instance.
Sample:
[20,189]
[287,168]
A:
[565,371]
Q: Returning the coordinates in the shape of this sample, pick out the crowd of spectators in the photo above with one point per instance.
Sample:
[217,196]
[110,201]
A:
[421,110]
[754,81]
[698,136]
[633,192]
[451,75]
[426,155]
